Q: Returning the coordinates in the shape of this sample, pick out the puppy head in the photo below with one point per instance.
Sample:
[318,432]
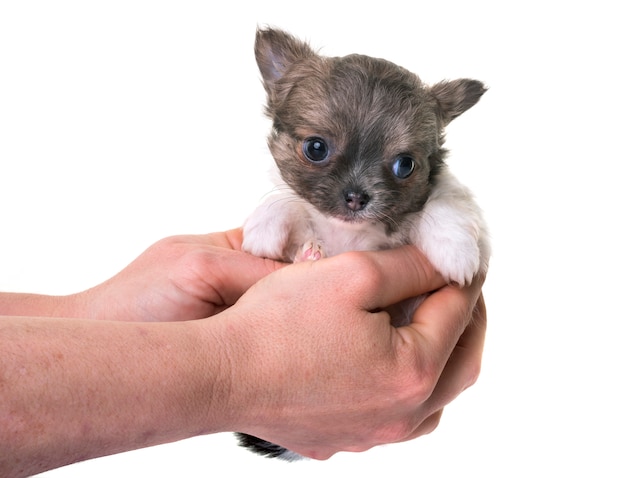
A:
[359,138]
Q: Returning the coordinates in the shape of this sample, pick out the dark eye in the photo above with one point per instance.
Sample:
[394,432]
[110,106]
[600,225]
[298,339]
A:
[403,166]
[315,149]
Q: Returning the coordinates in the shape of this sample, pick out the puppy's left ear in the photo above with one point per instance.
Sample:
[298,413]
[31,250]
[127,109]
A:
[457,96]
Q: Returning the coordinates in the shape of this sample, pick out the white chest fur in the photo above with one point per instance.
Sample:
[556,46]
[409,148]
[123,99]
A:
[450,230]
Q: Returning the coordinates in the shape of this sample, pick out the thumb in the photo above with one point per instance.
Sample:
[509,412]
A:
[405,273]
[392,275]
[222,267]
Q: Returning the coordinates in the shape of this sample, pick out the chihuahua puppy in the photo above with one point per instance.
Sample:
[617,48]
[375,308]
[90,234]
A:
[358,143]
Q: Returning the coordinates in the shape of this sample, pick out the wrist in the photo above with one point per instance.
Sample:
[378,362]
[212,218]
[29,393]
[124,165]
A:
[239,387]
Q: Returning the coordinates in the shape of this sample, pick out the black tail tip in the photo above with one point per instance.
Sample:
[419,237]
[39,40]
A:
[266,448]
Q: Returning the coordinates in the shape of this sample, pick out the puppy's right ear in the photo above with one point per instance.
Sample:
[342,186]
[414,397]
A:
[276,51]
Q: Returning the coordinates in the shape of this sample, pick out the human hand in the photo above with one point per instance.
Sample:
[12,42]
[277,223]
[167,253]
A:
[178,278]
[319,369]
[306,358]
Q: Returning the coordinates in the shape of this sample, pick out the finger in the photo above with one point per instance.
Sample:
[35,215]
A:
[234,238]
[393,275]
[237,272]
[424,427]
[216,266]
[428,425]
[464,365]
[460,372]
[443,316]
[231,239]
[250,269]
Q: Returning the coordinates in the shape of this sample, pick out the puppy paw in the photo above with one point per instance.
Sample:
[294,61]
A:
[263,241]
[458,251]
[310,251]
[457,264]
[452,233]
[267,230]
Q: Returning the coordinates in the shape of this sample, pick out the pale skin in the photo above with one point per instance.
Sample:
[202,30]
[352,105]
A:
[148,373]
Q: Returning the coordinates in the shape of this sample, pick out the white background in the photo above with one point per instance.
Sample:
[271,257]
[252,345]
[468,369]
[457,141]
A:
[123,122]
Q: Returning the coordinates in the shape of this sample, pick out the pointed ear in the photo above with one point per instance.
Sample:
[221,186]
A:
[457,96]
[275,52]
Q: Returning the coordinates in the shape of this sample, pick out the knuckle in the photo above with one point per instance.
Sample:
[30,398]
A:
[472,373]
[167,246]
[365,272]
[169,241]
[394,433]
[419,383]
[431,423]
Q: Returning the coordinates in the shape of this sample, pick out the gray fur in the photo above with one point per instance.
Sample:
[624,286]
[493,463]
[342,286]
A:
[369,111]
[358,142]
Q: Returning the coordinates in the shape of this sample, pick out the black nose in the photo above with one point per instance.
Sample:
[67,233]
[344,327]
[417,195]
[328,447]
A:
[356,200]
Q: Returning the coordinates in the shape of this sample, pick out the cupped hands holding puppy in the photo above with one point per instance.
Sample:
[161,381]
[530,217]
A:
[302,355]
[335,375]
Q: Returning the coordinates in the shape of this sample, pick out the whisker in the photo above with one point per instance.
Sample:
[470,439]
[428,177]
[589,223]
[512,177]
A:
[284,198]
[386,219]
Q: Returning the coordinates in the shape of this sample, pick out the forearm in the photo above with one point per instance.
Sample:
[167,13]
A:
[38,305]
[76,389]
